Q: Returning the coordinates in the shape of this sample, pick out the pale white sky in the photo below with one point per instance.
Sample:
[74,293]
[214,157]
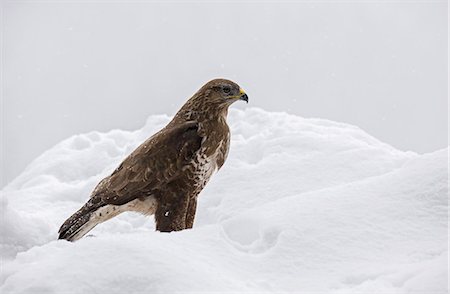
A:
[73,67]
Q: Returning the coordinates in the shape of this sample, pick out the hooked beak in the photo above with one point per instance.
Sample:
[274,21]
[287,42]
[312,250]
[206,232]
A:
[243,96]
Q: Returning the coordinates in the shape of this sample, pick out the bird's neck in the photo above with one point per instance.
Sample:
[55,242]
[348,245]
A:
[201,112]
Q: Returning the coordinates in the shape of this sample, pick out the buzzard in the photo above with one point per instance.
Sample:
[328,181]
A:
[165,174]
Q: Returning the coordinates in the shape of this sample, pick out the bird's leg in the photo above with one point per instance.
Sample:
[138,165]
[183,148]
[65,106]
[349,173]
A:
[190,214]
[170,214]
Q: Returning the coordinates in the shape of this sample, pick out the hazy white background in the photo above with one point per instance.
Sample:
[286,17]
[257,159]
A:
[72,67]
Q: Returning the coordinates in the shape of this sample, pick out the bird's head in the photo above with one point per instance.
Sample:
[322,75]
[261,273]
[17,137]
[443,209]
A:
[212,100]
[221,92]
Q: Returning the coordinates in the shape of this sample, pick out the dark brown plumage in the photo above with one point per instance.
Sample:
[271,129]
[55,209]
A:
[165,174]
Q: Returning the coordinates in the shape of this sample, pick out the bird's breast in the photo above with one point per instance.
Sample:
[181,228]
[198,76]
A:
[204,167]
[206,162]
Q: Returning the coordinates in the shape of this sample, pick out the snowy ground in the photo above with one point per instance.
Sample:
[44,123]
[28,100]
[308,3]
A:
[301,205]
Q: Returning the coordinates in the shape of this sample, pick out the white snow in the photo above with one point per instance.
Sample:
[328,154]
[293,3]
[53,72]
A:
[301,205]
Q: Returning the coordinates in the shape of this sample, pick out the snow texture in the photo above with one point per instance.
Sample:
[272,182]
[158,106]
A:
[301,205]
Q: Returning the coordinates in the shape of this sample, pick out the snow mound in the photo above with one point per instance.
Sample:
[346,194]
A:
[300,205]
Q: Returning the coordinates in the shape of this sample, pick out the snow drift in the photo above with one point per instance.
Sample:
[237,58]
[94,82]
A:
[300,205]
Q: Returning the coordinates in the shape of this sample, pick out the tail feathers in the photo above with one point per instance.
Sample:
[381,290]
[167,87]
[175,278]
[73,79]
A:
[81,222]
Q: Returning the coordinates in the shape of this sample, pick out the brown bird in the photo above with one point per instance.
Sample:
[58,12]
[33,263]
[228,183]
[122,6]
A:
[165,174]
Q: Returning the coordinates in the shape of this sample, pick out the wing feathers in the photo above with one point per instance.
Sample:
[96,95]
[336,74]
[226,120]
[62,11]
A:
[153,164]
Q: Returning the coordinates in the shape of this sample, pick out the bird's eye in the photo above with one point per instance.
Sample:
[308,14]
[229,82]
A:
[226,90]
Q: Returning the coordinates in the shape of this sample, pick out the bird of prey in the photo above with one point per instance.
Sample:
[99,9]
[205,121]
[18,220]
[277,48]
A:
[165,174]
